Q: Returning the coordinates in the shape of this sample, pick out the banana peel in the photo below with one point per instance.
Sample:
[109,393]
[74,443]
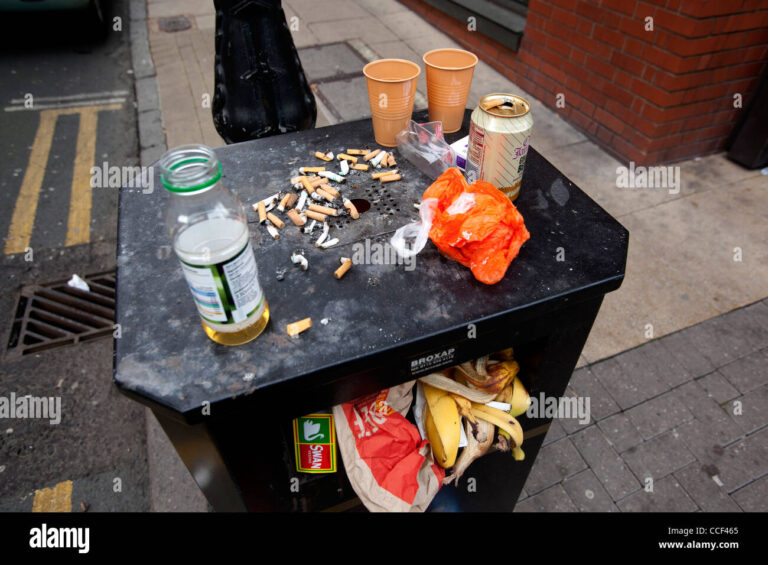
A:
[490,378]
[475,449]
[501,420]
[443,425]
[520,399]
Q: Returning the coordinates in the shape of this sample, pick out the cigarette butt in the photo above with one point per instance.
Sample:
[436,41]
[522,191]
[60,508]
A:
[333,176]
[296,218]
[346,264]
[273,231]
[352,209]
[316,181]
[324,210]
[390,178]
[346,157]
[295,180]
[361,167]
[328,196]
[329,189]
[302,201]
[344,168]
[316,215]
[376,176]
[322,156]
[304,170]
[371,155]
[307,185]
[283,202]
[262,212]
[275,220]
[297,327]
[357,151]
[292,198]
[330,243]
[379,159]
[391,160]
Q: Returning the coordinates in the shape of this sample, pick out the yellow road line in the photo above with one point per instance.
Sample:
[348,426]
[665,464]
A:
[23,218]
[78,227]
[56,499]
[79,224]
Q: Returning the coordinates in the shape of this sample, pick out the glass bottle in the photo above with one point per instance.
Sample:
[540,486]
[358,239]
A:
[209,233]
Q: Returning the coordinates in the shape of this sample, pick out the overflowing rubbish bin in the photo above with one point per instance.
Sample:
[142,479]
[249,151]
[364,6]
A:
[230,412]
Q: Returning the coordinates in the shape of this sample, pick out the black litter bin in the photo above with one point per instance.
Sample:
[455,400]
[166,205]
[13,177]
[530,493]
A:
[228,411]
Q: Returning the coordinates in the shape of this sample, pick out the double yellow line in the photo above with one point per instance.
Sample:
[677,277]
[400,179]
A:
[79,222]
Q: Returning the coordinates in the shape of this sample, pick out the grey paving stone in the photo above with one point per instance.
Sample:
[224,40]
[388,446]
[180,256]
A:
[147,97]
[659,414]
[629,378]
[658,457]
[667,496]
[588,494]
[345,98]
[585,384]
[323,62]
[554,499]
[717,387]
[749,372]
[608,467]
[555,462]
[555,432]
[151,155]
[701,440]
[141,58]
[695,363]
[719,424]
[728,337]
[754,496]
[654,367]
[704,491]
[752,414]
[743,461]
[151,129]
[620,432]
[759,310]
[571,425]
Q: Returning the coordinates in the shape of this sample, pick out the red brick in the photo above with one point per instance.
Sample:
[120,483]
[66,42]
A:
[569,5]
[636,28]
[633,47]
[589,10]
[617,93]
[608,36]
[578,56]
[622,79]
[604,134]
[682,25]
[524,57]
[558,46]
[539,7]
[590,45]
[737,72]
[626,7]
[637,105]
[708,8]
[568,19]
[741,22]
[600,67]
[609,121]
[585,27]
[585,123]
[715,131]
[554,59]
[553,73]
[628,63]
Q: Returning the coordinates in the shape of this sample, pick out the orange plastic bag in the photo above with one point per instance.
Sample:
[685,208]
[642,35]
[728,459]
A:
[476,225]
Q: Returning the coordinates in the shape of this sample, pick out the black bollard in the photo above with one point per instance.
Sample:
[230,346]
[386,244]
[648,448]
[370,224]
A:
[260,89]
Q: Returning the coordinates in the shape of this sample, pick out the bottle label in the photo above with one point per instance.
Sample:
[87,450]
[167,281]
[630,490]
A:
[228,292]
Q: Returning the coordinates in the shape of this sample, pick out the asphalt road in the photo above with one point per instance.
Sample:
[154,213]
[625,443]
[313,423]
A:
[66,105]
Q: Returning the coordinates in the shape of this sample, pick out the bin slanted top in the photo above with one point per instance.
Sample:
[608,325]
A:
[376,315]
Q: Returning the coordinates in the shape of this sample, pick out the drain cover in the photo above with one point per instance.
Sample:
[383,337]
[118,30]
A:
[176,23]
[56,314]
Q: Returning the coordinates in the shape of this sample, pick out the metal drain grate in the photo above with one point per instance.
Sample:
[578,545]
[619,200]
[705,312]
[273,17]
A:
[55,314]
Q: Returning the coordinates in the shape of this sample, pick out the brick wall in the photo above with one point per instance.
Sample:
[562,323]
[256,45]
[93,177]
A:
[647,96]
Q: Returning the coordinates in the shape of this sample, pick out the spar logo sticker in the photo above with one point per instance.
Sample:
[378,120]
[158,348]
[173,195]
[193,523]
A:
[315,442]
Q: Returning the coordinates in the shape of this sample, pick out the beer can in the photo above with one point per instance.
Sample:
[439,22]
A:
[499,135]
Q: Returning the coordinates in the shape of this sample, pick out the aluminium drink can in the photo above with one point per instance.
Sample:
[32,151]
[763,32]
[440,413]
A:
[499,136]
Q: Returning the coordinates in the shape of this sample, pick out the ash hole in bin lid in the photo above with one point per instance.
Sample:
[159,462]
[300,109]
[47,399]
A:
[361,204]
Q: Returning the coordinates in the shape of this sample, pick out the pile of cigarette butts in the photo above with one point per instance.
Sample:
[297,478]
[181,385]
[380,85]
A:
[314,199]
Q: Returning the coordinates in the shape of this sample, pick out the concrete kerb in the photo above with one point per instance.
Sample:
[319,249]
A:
[152,141]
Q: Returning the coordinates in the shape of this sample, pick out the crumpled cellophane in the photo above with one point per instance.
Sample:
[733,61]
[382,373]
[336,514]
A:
[477,225]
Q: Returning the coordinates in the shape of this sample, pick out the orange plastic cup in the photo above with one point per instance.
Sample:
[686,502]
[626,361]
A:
[391,93]
[449,76]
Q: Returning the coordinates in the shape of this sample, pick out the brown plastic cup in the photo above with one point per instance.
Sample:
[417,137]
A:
[449,76]
[391,93]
